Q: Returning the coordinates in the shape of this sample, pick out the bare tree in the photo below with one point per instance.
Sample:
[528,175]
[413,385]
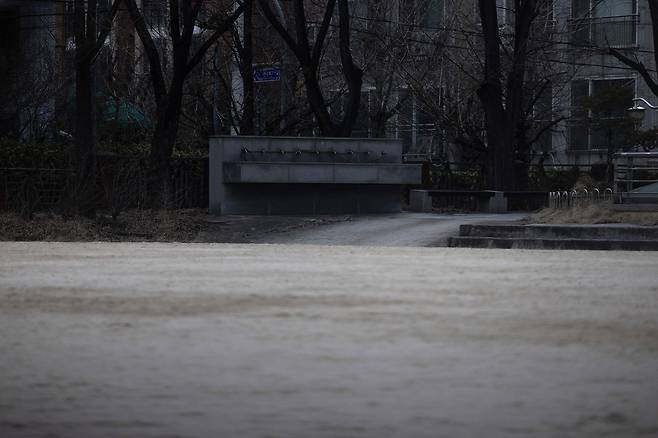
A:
[183,18]
[90,35]
[244,47]
[309,57]
[505,91]
[388,61]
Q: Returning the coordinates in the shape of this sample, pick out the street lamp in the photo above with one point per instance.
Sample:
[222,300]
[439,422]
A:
[637,111]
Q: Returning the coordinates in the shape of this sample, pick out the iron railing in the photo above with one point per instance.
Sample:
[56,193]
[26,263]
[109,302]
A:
[619,31]
[119,180]
[633,171]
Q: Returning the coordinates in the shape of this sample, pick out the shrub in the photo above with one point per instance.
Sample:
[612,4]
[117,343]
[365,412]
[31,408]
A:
[14,153]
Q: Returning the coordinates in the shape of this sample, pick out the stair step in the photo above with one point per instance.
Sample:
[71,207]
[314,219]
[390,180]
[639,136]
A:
[636,207]
[547,243]
[609,232]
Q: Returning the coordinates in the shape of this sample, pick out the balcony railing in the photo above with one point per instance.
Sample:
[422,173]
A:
[620,31]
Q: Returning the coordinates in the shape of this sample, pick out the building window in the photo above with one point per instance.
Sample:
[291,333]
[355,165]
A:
[414,124]
[610,23]
[599,119]
[542,117]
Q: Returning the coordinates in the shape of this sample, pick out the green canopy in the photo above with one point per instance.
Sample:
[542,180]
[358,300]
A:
[115,110]
[126,113]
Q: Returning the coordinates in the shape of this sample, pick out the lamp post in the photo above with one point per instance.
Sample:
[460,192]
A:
[637,111]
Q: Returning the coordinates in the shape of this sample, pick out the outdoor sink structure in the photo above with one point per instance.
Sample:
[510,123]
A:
[307,175]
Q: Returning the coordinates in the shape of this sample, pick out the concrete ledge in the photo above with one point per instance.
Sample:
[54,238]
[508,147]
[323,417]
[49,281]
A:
[635,207]
[299,199]
[549,231]
[585,237]
[576,244]
[298,175]
[320,173]
[489,201]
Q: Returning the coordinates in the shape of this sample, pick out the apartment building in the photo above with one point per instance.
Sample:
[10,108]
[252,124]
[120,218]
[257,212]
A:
[592,89]
[602,88]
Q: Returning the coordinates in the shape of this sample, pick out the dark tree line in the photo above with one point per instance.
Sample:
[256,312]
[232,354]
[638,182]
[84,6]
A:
[183,17]
[504,88]
[91,29]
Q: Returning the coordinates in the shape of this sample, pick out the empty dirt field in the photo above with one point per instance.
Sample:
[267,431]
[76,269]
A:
[185,340]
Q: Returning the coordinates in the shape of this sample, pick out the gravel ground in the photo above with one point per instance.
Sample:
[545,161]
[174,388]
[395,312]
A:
[155,339]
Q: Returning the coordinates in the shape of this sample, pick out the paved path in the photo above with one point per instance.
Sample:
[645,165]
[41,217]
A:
[155,340]
[403,229]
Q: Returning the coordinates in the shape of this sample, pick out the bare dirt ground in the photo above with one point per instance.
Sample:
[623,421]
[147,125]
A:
[155,339]
[402,229]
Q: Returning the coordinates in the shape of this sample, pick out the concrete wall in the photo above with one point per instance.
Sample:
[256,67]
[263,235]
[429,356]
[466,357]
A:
[297,175]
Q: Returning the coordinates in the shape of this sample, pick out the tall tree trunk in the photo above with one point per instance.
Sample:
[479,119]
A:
[85,141]
[162,146]
[353,74]
[85,110]
[379,124]
[500,168]
[246,71]
[318,105]
[125,54]
[504,116]
[90,35]
[500,159]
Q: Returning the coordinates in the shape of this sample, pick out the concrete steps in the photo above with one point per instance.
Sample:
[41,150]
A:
[584,237]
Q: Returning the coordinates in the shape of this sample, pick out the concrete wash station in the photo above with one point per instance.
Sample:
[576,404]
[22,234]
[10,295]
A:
[307,175]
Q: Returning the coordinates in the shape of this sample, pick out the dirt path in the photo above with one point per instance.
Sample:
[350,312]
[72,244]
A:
[404,229]
[153,339]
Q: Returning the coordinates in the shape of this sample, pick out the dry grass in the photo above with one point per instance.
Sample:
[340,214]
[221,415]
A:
[136,225]
[592,214]
[154,226]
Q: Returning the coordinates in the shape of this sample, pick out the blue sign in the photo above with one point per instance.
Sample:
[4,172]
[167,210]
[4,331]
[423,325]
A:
[267,74]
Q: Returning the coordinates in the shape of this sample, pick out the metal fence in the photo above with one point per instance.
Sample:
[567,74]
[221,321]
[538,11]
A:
[33,188]
[634,170]
[121,183]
